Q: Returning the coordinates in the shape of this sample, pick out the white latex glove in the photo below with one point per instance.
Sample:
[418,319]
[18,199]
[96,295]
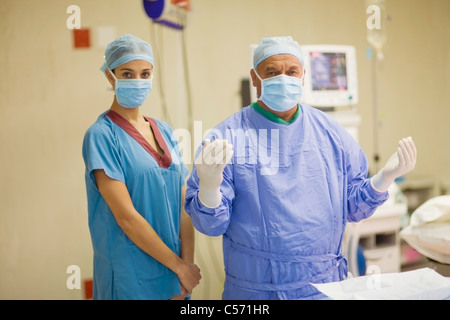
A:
[210,164]
[400,163]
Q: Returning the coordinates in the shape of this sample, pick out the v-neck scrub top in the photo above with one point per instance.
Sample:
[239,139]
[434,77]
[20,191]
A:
[121,269]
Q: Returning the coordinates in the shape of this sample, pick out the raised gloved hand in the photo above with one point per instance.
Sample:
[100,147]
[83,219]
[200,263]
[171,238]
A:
[210,164]
[400,163]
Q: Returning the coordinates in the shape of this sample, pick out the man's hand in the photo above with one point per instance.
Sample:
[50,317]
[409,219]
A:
[210,163]
[400,163]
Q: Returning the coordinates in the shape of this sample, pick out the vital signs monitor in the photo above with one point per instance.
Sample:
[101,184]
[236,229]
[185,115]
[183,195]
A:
[331,76]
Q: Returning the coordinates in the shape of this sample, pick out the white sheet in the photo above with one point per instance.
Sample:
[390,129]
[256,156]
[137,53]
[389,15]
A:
[429,229]
[420,284]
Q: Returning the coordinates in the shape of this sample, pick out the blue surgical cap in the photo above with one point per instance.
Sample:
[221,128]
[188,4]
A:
[125,49]
[276,45]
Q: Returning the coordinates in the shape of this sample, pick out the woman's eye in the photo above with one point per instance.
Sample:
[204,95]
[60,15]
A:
[126,75]
[146,75]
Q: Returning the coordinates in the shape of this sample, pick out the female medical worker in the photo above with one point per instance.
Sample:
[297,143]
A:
[142,238]
[294,178]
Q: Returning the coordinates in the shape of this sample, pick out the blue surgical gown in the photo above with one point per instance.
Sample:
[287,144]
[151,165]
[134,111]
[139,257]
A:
[121,269]
[287,194]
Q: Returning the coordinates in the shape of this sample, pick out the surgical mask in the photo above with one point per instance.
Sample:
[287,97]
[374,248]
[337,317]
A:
[282,92]
[131,93]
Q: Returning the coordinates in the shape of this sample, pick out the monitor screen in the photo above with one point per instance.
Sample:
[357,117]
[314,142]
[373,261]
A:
[328,71]
[331,76]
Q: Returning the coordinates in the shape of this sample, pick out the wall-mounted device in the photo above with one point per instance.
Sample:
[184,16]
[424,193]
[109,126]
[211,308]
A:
[331,77]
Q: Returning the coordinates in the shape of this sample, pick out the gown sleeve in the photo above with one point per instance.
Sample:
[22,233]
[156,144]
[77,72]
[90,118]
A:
[362,198]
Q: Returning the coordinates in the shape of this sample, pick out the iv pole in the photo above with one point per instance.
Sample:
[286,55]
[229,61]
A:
[376,156]
[376,36]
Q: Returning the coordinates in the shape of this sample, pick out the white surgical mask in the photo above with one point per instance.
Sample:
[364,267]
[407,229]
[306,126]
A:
[282,92]
[131,93]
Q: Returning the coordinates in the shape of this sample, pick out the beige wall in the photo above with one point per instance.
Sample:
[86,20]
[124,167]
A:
[50,93]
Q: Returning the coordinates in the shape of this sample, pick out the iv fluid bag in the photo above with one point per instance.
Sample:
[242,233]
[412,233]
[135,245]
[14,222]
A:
[376,24]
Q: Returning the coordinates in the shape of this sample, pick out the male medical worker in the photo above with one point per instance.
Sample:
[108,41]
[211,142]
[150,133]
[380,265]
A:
[279,180]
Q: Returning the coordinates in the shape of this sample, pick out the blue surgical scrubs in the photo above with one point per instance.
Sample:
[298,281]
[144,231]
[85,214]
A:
[121,269]
[287,194]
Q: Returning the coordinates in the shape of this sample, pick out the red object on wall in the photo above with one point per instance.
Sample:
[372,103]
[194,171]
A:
[81,38]
[185,4]
[88,294]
